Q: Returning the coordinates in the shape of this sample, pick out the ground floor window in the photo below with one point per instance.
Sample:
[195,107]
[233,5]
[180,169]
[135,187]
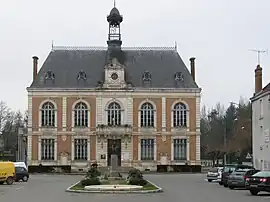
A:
[180,149]
[80,149]
[47,149]
[147,149]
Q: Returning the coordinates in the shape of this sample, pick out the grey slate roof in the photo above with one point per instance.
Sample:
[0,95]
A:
[67,63]
[266,88]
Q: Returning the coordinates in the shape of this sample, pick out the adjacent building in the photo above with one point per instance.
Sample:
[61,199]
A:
[142,104]
[261,123]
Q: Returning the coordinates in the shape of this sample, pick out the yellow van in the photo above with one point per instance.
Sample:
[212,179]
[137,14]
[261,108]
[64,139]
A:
[7,172]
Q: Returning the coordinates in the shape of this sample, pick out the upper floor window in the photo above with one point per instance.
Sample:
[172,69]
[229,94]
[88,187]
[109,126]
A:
[147,115]
[49,75]
[114,114]
[146,76]
[81,115]
[48,114]
[178,76]
[180,115]
[81,75]
[261,109]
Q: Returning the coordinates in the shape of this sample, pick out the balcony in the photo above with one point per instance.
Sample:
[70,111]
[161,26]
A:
[114,130]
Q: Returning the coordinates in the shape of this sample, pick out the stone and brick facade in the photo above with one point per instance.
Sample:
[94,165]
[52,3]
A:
[152,117]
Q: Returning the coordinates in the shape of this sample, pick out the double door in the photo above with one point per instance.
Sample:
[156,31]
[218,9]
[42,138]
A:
[114,147]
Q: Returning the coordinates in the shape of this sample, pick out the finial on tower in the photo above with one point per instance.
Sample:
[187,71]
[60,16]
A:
[114,3]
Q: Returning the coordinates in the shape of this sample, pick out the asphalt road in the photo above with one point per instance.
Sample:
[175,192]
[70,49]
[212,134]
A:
[181,187]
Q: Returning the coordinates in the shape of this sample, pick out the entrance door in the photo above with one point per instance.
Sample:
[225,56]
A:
[114,147]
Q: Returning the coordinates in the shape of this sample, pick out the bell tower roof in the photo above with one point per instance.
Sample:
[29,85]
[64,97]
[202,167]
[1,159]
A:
[114,37]
[114,17]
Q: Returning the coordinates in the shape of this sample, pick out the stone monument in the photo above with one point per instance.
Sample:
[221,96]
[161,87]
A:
[114,171]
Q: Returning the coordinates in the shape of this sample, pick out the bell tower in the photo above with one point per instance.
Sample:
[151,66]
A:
[114,19]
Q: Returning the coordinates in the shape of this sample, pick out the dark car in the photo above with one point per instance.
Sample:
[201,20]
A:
[258,182]
[237,178]
[21,174]
[228,169]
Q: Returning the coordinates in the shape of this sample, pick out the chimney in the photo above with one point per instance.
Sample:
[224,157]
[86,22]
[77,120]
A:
[258,79]
[192,67]
[35,67]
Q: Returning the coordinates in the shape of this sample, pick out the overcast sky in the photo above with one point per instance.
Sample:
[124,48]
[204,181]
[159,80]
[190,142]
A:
[219,33]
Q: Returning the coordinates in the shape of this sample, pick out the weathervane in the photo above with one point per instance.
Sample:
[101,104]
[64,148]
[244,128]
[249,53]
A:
[259,52]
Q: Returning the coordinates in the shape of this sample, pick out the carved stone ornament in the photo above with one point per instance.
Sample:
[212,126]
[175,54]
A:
[64,154]
[164,138]
[64,138]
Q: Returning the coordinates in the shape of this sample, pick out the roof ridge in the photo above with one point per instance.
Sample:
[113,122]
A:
[104,48]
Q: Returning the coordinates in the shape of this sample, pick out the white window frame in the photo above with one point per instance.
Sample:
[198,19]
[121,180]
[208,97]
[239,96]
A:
[180,139]
[73,147]
[155,115]
[39,147]
[151,111]
[139,147]
[55,114]
[172,110]
[172,148]
[121,111]
[88,114]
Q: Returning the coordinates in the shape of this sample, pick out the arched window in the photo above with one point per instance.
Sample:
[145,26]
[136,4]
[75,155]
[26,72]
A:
[147,115]
[180,115]
[114,114]
[80,115]
[48,114]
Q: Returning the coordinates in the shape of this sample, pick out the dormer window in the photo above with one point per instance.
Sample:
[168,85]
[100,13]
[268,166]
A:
[178,76]
[146,76]
[81,75]
[49,75]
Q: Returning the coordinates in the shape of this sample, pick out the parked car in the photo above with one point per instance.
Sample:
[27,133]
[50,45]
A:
[7,172]
[258,182]
[228,169]
[237,178]
[20,164]
[213,174]
[21,174]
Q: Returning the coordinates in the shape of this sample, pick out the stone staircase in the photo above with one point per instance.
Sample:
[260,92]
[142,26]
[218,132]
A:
[119,169]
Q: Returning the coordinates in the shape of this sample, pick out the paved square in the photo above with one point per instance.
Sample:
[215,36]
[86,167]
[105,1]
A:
[177,188]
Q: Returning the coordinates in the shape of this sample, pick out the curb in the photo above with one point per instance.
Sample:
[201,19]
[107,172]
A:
[158,190]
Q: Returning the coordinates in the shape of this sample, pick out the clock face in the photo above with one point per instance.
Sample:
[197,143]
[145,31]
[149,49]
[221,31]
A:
[114,76]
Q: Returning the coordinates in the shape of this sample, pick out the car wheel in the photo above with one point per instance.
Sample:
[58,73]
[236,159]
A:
[225,185]
[231,187]
[10,181]
[209,180]
[254,192]
[220,183]
[25,179]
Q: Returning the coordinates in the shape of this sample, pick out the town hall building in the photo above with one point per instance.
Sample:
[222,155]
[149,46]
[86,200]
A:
[87,103]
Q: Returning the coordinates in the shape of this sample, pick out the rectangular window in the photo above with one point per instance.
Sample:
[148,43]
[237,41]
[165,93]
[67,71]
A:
[147,149]
[261,109]
[80,149]
[47,149]
[179,149]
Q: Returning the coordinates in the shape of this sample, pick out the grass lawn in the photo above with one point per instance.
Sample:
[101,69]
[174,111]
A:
[148,186]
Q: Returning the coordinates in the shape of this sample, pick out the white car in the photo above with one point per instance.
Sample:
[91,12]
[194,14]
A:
[20,164]
[214,174]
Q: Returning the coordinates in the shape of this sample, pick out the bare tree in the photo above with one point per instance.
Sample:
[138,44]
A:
[6,115]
